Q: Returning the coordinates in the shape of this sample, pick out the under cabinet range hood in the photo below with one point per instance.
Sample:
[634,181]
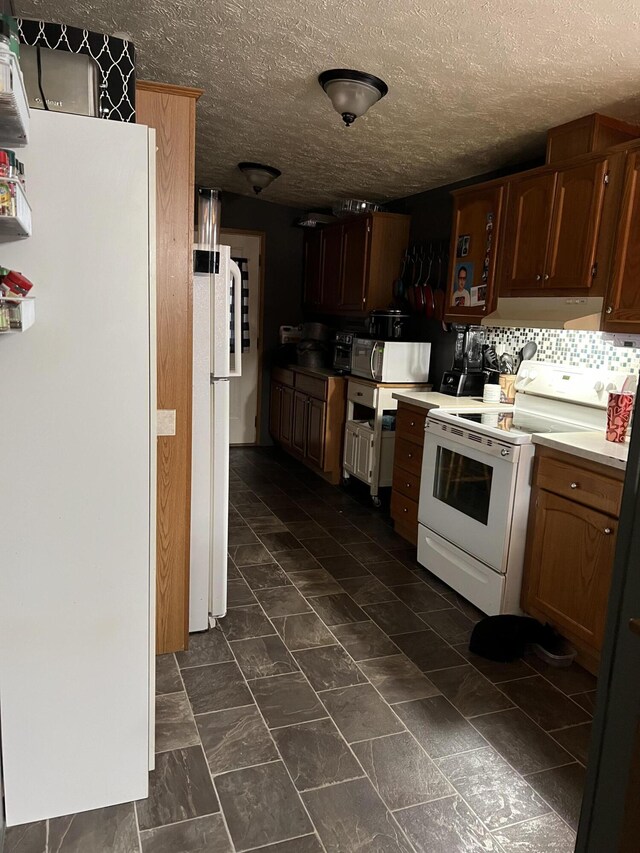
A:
[548,312]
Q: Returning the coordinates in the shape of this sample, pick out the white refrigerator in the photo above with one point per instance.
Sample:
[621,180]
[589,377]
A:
[217,360]
[77,481]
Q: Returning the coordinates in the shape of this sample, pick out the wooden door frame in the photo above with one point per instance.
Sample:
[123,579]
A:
[263,239]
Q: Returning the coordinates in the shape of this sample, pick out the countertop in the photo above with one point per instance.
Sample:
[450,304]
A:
[322,372]
[587,445]
[435,400]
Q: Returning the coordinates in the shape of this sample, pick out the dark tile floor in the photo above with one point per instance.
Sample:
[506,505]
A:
[338,709]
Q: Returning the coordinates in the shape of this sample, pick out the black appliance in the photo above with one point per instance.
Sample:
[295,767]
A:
[342,349]
[387,324]
[466,377]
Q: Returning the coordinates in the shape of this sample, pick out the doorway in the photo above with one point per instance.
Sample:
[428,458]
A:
[244,411]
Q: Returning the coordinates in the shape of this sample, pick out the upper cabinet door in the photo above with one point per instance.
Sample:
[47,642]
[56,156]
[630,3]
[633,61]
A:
[577,213]
[331,267]
[355,263]
[477,217]
[313,268]
[528,225]
[622,302]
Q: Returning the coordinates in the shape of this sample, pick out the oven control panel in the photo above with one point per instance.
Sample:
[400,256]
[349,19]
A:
[586,386]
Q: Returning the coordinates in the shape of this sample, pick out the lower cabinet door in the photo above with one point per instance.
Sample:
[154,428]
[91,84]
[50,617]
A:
[316,419]
[363,458]
[568,571]
[274,411]
[350,449]
[286,415]
[299,429]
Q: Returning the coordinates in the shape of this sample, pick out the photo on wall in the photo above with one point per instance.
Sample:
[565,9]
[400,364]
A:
[462,248]
[463,285]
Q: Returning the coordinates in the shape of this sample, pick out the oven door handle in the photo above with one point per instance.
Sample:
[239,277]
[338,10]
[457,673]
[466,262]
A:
[373,355]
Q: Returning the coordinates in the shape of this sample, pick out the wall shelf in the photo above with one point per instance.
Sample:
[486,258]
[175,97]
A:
[14,108]
[23,313]
[17,224]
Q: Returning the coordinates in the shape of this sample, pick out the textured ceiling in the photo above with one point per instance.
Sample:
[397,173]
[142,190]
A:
[472,85]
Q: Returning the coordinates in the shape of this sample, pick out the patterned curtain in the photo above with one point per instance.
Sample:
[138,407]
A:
[243,264]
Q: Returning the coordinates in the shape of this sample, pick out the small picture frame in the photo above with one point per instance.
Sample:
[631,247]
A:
[462,248]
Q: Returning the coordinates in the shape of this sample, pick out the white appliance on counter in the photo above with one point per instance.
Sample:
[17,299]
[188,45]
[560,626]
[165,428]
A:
[476,475]
[391,361]
[217,358]
[77,456]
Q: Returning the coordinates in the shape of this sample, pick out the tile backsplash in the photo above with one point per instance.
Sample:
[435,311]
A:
[562,346]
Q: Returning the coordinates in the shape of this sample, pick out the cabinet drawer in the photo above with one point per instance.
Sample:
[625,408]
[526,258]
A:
[403,510]
[407,483]
[408,456]
[312,386]
[579,484]
[358,392]
[409,425]
[283,375]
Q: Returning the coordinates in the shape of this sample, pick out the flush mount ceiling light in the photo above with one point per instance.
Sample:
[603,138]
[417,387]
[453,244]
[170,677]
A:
[259,176]
[352,92]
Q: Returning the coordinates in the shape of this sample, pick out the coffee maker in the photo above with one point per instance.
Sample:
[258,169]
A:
[466,377]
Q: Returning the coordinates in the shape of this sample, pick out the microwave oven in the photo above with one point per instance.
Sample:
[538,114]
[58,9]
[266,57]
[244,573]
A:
[390,361]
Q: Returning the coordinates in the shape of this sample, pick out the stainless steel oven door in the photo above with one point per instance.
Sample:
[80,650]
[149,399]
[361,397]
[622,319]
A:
[467,490]
[362,357]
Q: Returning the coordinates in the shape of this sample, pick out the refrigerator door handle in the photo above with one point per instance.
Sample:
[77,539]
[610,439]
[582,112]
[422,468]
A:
[237,319]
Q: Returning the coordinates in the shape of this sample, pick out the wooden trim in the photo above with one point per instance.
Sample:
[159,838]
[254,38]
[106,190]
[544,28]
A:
[173,116]
[263,241]
[168,89]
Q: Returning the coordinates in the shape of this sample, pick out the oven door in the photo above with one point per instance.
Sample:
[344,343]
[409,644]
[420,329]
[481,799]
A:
[467,491]
[362,357]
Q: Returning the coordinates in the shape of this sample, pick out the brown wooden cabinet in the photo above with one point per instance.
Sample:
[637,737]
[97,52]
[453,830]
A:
[570,548]
[299,430]
[286,415]
[477,215]
[553,229]
[575,226]
[316,416]
[622,301]
[586,134]
[351,266]
[407,462]
[355,262]
[528,225]
[307,417]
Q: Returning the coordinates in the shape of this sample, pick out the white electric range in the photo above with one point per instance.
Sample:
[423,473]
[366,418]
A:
[476,478]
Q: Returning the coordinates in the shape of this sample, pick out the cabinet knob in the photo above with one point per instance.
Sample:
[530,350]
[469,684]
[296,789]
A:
[409,455]
[574,485]
[538,277]
[608,531]
[358,393]
[404,509]
[408,485]
[412,423]
[609,310]
[546,276]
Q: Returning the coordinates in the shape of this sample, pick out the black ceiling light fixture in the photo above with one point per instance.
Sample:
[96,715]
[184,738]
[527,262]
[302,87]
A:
[352,92]
[259,175]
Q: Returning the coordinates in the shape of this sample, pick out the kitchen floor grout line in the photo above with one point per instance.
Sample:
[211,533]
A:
[135,816]
[206,761]
[273,740]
